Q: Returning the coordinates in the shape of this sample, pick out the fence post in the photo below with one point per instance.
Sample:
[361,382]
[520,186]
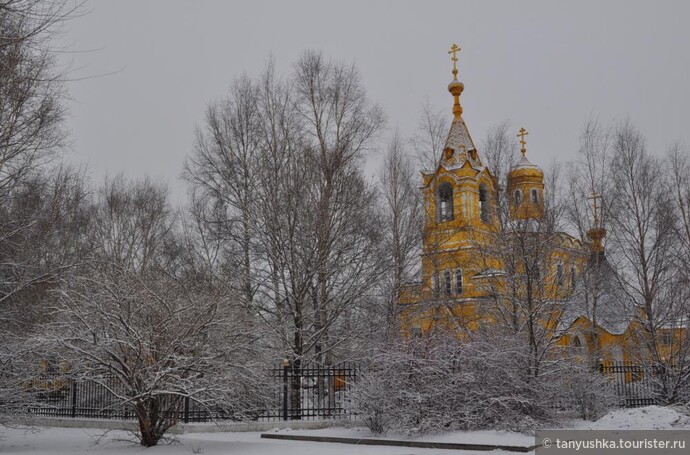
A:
[74,398]
[286,365]
[186,409]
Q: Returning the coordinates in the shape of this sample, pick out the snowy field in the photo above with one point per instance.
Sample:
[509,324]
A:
[57,441]
[64,441]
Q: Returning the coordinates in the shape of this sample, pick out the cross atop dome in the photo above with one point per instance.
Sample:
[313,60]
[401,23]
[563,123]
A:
[455,87]
[521,134]
[454,49]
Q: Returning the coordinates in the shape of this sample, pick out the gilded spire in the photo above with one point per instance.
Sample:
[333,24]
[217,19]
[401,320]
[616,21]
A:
[521,134]
[455,87]
[597,233]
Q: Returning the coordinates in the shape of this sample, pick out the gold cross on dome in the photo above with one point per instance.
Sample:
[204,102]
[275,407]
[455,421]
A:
[594,197]
[523,132]
[454,49]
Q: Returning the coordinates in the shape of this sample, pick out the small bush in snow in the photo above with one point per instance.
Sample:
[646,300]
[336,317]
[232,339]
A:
[581,389]
[440,383]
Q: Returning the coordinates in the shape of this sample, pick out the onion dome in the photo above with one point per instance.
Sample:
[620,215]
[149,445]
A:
[524,170]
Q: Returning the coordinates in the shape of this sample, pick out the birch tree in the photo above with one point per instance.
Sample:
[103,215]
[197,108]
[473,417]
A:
[403,223]
[644,234]
[224,167]
[340,125]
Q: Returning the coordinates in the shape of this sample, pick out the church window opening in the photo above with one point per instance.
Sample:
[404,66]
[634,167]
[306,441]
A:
[518,197]
[560,275]
[576,342]
[573,275]
[458,281]
[435,285]
[535,196]
[667,338]
[416,329]
[483,202]
[536,275]
[445,202]
[447,282]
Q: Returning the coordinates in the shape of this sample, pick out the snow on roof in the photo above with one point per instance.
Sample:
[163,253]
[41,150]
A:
[459,136]
[614,309]
[525,163]
[487,273]
[680,323]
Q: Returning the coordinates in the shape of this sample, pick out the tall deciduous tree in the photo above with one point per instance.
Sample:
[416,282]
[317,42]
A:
[641,216]
[340,125]
[224,167]
[403,219]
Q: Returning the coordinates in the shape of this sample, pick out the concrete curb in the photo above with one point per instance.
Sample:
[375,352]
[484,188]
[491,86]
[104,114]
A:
[399,443]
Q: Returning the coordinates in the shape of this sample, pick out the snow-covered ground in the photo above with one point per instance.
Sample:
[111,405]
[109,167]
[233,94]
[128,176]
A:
[647,418]
[57,441]
[68,441]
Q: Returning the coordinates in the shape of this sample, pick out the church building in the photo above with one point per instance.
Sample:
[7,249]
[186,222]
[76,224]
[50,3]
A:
[489,252]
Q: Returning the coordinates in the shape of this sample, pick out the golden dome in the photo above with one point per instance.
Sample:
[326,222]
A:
[524,170]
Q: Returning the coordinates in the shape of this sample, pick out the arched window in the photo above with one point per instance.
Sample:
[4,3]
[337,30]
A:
[518,197]
[535,196]
[576,343]
[573,275]
[483,202]
[435,285]
[445,202]
[458,281]
[447,282]
[560,275]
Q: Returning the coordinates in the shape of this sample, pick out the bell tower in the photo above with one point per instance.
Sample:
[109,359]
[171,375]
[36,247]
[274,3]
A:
[459,197]
[525,186]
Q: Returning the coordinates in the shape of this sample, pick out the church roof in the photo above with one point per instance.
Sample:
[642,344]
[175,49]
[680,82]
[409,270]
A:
[462,145]
[614,309]
[525,163]
[524,168]
[459,136]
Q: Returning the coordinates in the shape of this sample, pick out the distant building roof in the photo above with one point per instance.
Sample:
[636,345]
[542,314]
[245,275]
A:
[599,292]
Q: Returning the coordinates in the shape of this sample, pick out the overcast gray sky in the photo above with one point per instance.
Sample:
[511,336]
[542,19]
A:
[544,65]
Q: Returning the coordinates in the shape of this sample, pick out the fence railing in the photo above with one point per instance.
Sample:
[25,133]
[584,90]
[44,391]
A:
[642,385]
[302,392]
[309,391]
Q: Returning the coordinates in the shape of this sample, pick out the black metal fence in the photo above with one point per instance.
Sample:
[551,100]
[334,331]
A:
[302,392]
[640,385]
[309,391]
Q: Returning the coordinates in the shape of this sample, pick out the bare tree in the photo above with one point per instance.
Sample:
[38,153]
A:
[500,151]
[31,132]
[153,341]
[644,235]
[340,125]
[285,163]
[31,90]
[430,136]
[46,224]
[598,294]
[527,290]
[224,167]
[403,222]
[676,340]
[133,222]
